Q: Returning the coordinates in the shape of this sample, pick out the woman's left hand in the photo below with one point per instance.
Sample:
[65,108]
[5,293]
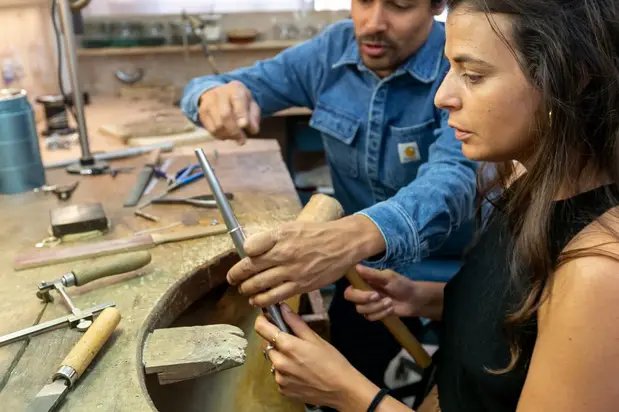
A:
[307,368]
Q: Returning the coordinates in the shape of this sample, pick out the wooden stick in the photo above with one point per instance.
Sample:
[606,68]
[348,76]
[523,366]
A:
[111,247]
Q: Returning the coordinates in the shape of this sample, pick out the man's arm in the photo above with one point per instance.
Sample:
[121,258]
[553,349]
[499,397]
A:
[302,256]
[289,79]
[420,217]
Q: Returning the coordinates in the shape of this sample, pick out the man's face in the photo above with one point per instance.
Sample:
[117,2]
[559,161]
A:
[389,31]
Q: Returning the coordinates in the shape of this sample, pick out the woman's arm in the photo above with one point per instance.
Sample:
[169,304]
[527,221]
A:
[576,357]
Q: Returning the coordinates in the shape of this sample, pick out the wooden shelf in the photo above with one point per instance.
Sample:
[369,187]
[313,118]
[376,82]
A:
[169,49]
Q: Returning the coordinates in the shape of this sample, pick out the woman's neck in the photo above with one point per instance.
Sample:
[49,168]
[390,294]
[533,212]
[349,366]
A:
[586,181]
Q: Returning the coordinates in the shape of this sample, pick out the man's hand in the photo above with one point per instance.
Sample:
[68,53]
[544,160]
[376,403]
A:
[226,110]
[299,257]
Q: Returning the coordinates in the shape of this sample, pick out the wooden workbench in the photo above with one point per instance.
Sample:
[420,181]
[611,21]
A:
[264,197]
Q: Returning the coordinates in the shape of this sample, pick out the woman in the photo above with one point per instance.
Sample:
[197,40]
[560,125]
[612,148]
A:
[530,322]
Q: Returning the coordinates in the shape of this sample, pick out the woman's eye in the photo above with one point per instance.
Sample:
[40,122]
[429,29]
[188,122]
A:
[472,78]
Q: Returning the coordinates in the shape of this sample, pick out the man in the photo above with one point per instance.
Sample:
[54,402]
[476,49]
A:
[396,166]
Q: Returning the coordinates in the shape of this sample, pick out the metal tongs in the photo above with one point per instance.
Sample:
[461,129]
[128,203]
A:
[234,228]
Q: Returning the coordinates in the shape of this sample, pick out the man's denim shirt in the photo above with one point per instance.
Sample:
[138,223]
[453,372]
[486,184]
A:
[392,156]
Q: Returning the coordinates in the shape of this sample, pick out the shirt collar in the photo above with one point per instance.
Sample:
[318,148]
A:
[423,65]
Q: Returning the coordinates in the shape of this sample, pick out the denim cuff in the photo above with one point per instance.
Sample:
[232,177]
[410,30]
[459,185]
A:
[399,232]
[190,102]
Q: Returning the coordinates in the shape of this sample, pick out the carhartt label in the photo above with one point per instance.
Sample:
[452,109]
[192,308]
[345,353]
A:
[409,152]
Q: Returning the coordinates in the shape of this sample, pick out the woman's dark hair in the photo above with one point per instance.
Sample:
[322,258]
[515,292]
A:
[569,51]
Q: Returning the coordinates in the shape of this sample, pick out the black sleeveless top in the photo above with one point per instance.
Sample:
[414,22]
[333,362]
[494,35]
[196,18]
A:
[476,302]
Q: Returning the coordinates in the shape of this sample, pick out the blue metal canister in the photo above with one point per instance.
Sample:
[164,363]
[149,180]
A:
[21,167]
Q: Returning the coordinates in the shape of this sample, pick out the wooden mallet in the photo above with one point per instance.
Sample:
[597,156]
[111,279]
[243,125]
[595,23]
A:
[322,208]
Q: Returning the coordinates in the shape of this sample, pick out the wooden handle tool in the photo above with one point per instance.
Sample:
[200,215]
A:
[111,247]
[90,343]
[76,362]
[324,208]
[124,263]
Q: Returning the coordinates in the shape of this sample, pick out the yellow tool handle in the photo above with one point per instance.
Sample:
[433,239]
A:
[120,264]
[397,328]
[325,208]
[321,208]
[187,234]
[92,341]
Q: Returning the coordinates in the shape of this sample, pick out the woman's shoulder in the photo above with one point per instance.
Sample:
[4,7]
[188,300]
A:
[590,261]
[600,237]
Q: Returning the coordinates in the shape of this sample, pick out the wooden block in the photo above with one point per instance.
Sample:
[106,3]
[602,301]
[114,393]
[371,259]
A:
[194,136]
[177,354]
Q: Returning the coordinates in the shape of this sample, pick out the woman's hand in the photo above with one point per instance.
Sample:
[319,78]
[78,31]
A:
[393,294]
[309,369]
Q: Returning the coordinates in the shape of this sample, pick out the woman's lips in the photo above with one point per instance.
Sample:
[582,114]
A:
[462,134]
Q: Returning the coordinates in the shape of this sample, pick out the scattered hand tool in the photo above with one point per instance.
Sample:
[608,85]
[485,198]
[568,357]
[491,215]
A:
[80,319]
[109,171]
[111,247]
[160,173]
[143,178]
[187,220]
[183,177]
[78,218]
[207,201]
[146,216]
[76,362]
[234,228]
[62,192]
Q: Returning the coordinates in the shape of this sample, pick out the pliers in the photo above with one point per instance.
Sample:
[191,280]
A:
[186,176]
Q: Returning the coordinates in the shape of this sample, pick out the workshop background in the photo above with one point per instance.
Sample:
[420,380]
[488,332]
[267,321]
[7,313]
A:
[140,49]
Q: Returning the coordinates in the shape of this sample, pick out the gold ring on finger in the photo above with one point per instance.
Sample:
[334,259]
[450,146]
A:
[275,337]
[273,369]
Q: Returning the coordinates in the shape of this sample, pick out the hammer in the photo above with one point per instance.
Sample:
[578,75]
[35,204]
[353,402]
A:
[322,208]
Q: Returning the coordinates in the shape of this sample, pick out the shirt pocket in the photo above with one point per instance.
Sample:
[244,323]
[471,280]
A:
[339,130]
[406,149]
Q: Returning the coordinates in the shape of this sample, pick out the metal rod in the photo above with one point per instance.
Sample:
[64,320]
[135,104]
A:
[234,228]
[33,330]
[51,325]
[116,154]
[67,299]
[70,47]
